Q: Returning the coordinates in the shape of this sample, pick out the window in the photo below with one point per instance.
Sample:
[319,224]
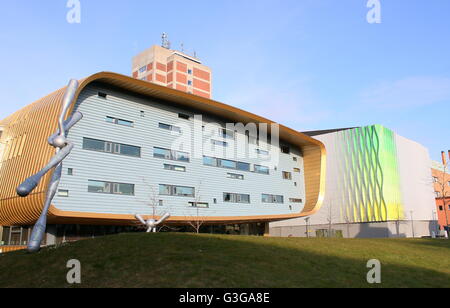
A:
[294,158]
[202,205]
[236,198]
[111,147]
[63,193]
[209,161]
[170,127]
[175,168]
[70,171]
[225,133]
[142,114]
[184,116]
[441,208]
[261,169]
[179,191]
[103,187]
[119,121]
[435,179]
[262,152]
[219,143]
[189,72]
[172,155]
[293,200]
[285,149]
[143,69]
[235,176]
[189,82]
[123,189]
[287,175]
[224,163]
[272,198]
[438,194]
[297,170]
[243,166]
[102,95]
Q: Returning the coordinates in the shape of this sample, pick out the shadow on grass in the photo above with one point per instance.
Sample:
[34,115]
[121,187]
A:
[184,260]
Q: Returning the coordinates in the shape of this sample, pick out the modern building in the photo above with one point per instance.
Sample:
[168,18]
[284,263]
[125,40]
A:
[378,185]
[137,151]
[173,69]
[441,183]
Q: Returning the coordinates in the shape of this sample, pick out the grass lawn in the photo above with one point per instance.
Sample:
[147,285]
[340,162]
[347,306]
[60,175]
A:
[199,261]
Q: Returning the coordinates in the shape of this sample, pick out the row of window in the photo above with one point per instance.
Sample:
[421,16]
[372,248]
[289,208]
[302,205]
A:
[231,164]
[104,187]
[223,132]
[111,147]
[129,150]
[110,188]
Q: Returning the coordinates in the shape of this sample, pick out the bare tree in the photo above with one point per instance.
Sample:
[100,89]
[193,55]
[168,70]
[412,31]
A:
[330,218]
[153,201]
[197,221]
[348,221]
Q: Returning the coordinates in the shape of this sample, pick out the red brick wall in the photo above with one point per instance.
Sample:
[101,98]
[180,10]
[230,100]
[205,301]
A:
[202,74]
[202,85]
[181,67]
[199,93]
[150,67]
[170,66]
[160,78]
[135,74]
[169,77]
[149,77]
[181,78]
[181,88]
[161,67]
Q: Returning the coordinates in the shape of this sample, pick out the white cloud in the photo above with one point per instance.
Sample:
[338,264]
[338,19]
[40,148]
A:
[408,92]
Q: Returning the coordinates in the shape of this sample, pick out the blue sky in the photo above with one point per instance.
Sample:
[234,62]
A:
[308,64]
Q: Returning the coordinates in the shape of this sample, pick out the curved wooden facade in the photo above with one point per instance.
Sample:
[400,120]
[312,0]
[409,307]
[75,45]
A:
[27,130]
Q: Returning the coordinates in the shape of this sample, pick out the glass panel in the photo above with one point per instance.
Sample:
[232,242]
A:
[179,168]
[261,169]
[164,190]
[63,193]
[228,164]
[226,133]
[108,147]
[279,199]
[161,153]
[99,187]
[125,189]
[210,161]
[130,150]
[243,198]
[110,120]
[164,126]
[243,166]
[266,198]
[181,156]
[125,123]
[93,144]
[184,191]
[227,197]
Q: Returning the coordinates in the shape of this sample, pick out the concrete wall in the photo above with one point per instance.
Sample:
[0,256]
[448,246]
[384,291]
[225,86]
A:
[403,229]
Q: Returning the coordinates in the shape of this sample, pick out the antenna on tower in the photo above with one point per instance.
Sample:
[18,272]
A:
[165,41]
[182,47]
